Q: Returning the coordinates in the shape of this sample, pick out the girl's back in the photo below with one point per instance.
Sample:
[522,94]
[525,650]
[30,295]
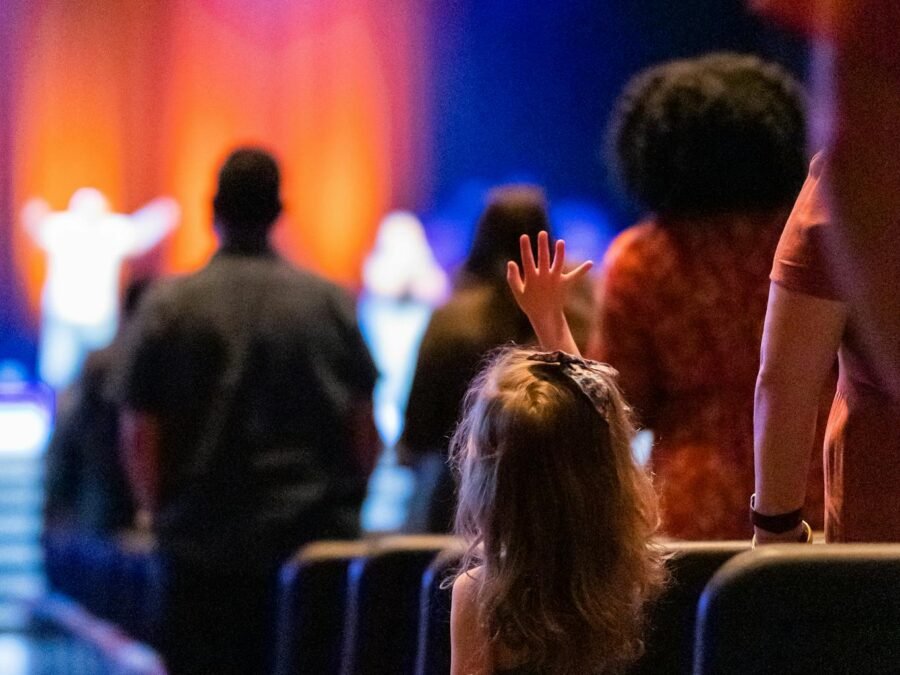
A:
[558,517]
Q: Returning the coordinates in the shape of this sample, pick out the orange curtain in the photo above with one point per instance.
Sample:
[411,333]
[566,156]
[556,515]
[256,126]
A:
[145,99]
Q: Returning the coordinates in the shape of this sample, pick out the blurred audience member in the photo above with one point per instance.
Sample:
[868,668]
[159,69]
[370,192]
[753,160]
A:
[810,320]
[248,425]
[856,73]
[480,315]
[836,277]
[714,148]
[85,486]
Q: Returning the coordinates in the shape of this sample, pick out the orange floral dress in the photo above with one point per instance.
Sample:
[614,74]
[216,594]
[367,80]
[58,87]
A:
[682,311]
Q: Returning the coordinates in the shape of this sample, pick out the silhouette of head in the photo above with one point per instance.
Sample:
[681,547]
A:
[512,210]
[247,201]
[717,134]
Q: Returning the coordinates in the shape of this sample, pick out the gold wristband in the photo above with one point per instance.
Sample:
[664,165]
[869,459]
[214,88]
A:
[806,536]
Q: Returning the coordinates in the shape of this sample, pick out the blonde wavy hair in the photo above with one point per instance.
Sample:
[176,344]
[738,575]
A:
[557,515]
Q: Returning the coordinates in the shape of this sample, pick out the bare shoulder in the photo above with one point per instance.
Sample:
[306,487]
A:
[470,652]
[464,608]
[465,587]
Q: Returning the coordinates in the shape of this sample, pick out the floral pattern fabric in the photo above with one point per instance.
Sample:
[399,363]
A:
[682,312]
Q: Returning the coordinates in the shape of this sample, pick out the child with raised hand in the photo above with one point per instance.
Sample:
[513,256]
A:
[557,515]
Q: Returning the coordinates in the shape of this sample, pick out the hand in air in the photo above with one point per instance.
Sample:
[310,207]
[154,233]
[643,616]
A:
[540,289]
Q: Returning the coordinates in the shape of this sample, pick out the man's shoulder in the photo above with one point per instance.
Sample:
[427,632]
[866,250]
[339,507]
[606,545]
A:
[272,270]
[311,281]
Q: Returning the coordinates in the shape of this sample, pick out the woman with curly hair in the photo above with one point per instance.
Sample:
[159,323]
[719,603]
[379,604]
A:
[713,148]
[557,514]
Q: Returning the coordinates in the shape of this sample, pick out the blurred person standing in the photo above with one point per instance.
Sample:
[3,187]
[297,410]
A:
[856,75]
[714,149]
[85,488]
[248,429]
[480,315]
[835,280]
[811,321]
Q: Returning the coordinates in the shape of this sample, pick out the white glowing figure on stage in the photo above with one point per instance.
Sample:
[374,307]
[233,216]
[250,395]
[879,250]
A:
[85,247]
[402,266]
[402,283]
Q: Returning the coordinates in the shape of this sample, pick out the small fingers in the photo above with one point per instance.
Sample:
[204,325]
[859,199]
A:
[543,251]
[579,271]
[514,278]
[527,255]
[559,257]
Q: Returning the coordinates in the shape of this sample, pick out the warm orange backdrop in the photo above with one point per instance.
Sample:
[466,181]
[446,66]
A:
[144,99]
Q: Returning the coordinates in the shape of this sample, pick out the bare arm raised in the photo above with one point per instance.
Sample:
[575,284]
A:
[540,290]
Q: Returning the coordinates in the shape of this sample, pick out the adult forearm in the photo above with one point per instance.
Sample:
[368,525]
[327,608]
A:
[800,340]
[784,423]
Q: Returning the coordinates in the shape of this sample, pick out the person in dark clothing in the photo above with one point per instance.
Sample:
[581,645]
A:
[85,486]
[247,394]
[480,316]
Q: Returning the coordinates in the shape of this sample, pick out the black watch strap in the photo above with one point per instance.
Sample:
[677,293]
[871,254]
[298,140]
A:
[777,524]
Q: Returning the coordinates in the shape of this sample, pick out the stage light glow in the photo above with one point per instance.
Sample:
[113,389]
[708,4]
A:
[26,427]
[402,282]
[402,264]
[85,246]
[26,412]
[154,105]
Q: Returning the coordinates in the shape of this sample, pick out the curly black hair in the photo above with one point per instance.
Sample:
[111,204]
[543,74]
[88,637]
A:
[721,133]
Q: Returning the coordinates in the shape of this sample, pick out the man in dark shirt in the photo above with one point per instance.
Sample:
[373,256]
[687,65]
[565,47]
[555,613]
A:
[247,426]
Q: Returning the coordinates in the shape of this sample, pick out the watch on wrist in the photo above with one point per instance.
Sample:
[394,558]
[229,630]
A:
[776,524]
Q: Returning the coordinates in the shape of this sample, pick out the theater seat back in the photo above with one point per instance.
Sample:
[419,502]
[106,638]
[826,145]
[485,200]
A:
[381,629]
[669,638]
[433,650]
[311,602]
[802,609]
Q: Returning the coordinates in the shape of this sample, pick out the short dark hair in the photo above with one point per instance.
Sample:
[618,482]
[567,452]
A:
[248,197]
[715,134]
[512,210]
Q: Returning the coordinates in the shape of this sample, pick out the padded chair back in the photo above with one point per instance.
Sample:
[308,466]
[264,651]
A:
[669,638]
[311,603]
[803,609]
[433,650]
[381,628]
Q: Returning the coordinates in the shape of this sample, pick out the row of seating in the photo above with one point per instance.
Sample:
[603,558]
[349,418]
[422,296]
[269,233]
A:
[381,607]
[786,609]
[378,607]
[354,607]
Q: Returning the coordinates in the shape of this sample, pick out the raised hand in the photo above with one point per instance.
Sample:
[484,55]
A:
[540,290]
